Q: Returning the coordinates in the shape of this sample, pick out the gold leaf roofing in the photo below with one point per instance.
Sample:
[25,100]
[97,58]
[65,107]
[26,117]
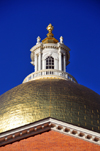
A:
[56,98]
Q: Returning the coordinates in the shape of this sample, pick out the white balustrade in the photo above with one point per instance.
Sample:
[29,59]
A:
[49,73]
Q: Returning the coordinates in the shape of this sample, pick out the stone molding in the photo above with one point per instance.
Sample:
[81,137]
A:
[46,125]
[49,45]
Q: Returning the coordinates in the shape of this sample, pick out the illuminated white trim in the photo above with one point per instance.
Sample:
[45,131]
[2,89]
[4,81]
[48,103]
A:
[45,125]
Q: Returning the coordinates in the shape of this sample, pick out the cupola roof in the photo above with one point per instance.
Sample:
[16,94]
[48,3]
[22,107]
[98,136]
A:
[50,37]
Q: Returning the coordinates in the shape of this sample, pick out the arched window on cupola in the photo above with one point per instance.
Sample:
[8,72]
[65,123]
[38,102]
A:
[49,62]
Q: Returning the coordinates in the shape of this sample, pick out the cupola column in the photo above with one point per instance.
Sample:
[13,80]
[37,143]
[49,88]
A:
[64,62]
[60,59]
[39,60]
[43,67]
[35,62]
[56,64]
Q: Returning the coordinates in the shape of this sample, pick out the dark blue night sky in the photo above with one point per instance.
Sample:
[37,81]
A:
[22,21]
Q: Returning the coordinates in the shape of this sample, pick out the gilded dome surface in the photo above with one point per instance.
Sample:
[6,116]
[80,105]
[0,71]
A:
[63,100]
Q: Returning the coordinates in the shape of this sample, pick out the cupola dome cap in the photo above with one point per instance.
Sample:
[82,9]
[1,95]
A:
[50,37]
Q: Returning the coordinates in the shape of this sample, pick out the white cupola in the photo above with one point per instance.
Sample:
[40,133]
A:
[50,58]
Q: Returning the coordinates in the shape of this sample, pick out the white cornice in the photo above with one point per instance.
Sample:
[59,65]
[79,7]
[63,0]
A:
[45,125]
[49,45]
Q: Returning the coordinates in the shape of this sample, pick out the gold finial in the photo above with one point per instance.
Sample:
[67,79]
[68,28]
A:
[50,37]
[50,28]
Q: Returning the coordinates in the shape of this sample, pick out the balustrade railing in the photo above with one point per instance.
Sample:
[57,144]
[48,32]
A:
[48,73]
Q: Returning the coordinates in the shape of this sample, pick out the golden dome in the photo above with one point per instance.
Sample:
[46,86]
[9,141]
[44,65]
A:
[63,100]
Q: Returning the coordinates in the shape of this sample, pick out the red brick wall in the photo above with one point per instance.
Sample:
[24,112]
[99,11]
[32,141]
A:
[51,141]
